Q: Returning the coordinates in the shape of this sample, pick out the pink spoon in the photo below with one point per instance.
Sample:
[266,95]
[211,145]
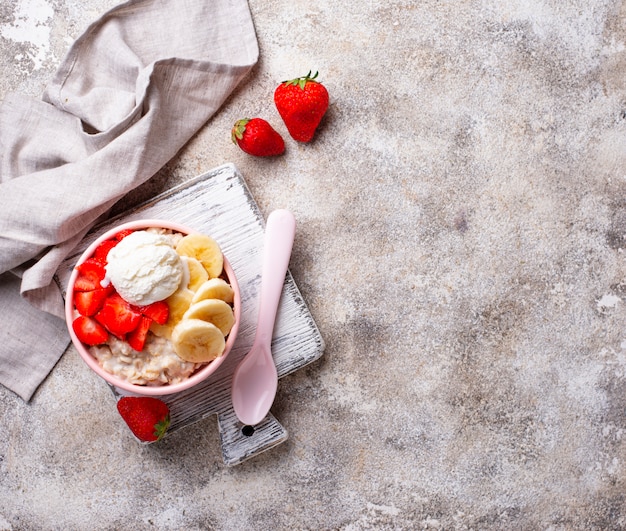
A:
[255,379]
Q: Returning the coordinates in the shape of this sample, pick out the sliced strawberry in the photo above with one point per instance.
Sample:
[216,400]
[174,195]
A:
[89,331]
[137,338]
[103,249]
[89,302]
[123,233]
[158,311]
[118,316]
[90,273]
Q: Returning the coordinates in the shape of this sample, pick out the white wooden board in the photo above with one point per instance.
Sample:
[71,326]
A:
[219,203]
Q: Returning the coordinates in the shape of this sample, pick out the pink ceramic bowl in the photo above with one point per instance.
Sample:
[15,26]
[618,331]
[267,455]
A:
[123,386]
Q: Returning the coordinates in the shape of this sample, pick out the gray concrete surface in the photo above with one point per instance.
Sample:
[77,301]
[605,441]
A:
[461,240]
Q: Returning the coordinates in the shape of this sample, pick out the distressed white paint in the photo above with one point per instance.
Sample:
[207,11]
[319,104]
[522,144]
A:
[219,203]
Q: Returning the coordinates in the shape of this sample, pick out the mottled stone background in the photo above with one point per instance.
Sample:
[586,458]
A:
[461,238]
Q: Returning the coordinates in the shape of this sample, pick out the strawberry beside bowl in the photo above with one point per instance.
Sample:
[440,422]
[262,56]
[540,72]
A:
[164,330]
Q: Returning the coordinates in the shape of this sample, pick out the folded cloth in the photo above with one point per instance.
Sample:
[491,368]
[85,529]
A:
[133,89]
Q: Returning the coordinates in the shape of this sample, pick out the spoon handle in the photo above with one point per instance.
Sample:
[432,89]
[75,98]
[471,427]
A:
[280,230]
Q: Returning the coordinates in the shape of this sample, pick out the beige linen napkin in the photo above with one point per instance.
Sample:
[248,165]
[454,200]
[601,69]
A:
[133,89]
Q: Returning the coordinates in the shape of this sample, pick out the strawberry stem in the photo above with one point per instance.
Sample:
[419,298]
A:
[302,80]
[238,129]
[161,427]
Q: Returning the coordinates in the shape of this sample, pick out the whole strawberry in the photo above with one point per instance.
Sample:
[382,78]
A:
[301,103]
[148,418]
[257,137]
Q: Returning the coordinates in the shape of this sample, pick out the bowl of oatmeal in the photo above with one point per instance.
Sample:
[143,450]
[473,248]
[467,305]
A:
[153,307]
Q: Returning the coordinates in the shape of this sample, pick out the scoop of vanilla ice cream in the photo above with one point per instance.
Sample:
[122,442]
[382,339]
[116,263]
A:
[144,268]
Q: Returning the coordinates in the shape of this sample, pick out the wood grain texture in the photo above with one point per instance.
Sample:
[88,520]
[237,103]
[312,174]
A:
[219,203]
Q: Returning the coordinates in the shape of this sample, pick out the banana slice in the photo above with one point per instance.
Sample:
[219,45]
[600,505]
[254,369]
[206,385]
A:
[214,288]
[197,341]
[205,249]
[197,274]
[178,302]
[213,311]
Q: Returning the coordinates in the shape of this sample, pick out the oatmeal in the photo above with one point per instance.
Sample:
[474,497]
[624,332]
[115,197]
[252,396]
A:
[156,364]
[153,306]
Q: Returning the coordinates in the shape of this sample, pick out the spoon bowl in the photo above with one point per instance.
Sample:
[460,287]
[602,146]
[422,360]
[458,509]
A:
[256,384]
[255,379]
